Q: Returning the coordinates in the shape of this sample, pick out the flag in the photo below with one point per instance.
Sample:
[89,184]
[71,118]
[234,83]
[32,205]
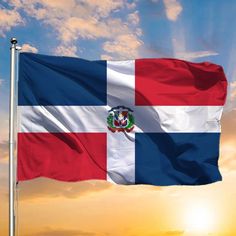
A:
[144,121]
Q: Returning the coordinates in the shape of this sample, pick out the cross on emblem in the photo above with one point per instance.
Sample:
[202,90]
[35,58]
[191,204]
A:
[120,119]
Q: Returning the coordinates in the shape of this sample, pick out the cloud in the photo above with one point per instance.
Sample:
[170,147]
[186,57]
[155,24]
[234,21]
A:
[130,5]
[126,46]
[3,151]
[233,91]
[66,50]
[133,18]
[49,231]
[174,233]
[106,57]
[4,118]
[228,155]
[89,19]
[44,188]
[48,188]
[231,96]
[228,127]
[105,7]
[179,47]
[197,54]
[28,48]
[9,19]
[173,9]
[228,142]
[74,27]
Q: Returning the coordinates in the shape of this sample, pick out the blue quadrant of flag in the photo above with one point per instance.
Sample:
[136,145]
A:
[62,81]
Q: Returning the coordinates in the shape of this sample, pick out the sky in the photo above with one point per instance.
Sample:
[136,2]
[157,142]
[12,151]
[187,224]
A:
[193,30]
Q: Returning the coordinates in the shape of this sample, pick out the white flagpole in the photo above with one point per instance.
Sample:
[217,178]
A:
[12,139]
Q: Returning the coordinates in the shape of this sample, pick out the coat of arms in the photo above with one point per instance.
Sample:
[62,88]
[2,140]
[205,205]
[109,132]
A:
[120,119]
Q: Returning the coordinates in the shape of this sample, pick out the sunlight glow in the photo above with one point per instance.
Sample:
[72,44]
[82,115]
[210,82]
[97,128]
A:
[200,218]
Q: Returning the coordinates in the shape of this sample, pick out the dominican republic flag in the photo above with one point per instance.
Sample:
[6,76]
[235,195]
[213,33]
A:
[145,121]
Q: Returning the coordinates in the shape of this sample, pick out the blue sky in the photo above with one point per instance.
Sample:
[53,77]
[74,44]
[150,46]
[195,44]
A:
[195,30]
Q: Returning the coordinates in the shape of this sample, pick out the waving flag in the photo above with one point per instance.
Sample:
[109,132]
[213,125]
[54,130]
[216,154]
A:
[145,121]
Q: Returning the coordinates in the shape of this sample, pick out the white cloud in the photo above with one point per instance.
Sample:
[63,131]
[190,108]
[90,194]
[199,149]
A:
[28,48]
[9,19]
[231,97]
[4,118]
[193,55]
[70,19]
[3,150]
[228,155]
[139,32]
[131,5]
[105,7]
[233,91]
[88,19]
[69,50]
[74,28]
[173,9]
[126,46]
[133,18]
[179,47]
[106,57]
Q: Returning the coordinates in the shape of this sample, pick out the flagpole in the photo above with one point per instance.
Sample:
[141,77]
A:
[11,139]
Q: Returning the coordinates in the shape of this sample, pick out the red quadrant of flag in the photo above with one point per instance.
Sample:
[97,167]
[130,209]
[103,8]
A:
[83,155]
[172,82]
